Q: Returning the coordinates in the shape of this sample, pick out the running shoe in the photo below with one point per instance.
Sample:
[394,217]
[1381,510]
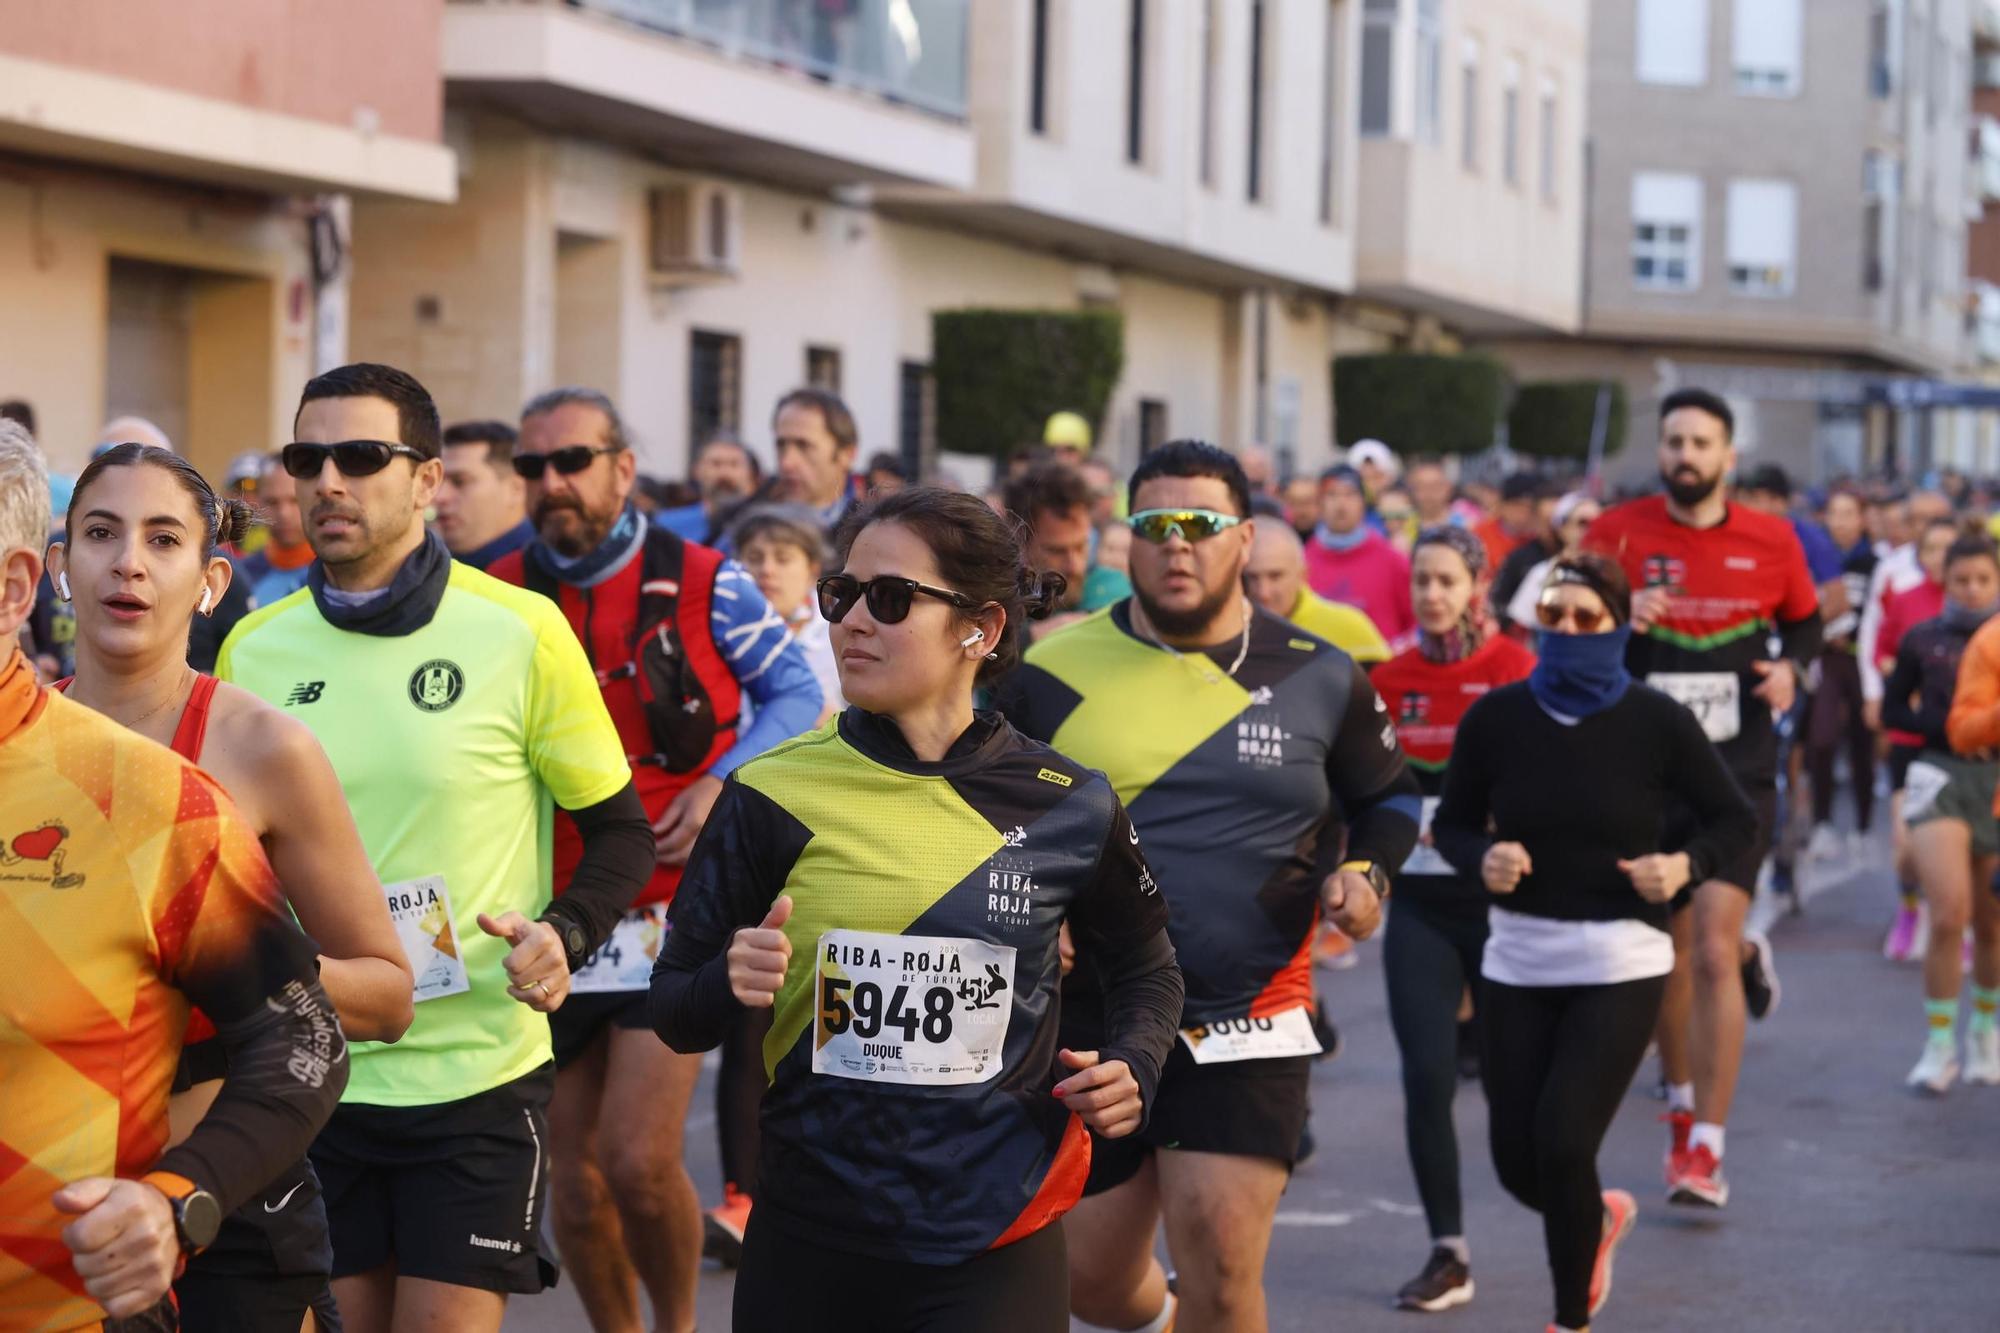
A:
[1825,843]
[1901,943]
[722,1228]
[1760,975]
[1982,1056]
[1936,1071]
[1679,1124]
[1620,1212]
[1699,1184]
[1444,1283]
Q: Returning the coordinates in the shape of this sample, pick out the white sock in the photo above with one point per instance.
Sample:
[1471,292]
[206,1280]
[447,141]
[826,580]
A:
[1680,1096]
[1708,1136]
[1159,1322]
[1456,1244]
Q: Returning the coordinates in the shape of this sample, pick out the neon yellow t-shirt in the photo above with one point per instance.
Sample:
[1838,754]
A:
[452,743]
[1341,625]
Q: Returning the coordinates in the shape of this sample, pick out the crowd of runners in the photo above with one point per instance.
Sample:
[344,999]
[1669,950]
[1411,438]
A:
[390,825]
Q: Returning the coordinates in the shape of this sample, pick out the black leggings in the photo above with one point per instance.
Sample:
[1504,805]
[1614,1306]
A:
[1835,721]
[1558,1061]
[739,1098]
[1430,955]
[800,1287]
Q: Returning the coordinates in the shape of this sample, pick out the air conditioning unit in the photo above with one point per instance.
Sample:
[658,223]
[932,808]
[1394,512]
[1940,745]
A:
[694,233]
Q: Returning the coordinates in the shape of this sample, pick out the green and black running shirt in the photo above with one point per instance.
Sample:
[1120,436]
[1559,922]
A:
[1239,785]
[913,1043]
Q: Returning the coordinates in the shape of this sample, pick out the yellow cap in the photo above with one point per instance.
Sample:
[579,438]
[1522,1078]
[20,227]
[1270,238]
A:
[1067,430]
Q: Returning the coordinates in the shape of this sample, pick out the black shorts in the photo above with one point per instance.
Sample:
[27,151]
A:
[1742,872]
[269,1264]
[575,1026]
[1900,759]
[453,1192]
[1246,1108]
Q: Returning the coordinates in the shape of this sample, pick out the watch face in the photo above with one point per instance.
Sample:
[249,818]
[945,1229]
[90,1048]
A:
[573,941]
[201,1219]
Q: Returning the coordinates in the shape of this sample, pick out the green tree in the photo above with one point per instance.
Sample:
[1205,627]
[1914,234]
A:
[1553,418]
[1419,404]
[1001,373]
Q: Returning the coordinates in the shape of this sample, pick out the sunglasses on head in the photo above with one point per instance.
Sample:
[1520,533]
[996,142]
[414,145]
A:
[354,458]
[568,460]
[888,597]
[1190,525]
[1587,619]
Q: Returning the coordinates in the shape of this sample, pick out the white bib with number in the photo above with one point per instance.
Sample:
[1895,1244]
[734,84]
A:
[911,1008]
[1921,788]
[1270,1038]
[625,961]
[421,909]
[1425,859]
[1714,697]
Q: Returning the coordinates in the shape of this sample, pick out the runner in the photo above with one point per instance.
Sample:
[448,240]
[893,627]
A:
[482,507]
[278,568]
[684,645]
[111,929]
[139,553]
[1553,799]
[1349,562]
[920,858]
[1836,718]
[1234,738]
[1438,930]
[1275,578]
[454,708]
[1717,579]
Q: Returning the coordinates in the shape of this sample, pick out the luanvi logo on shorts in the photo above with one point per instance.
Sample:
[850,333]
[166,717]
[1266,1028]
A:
[305,692]
[487,1243]
[436,685]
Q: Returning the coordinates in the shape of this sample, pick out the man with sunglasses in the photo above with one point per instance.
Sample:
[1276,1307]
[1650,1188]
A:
[1237,742]
[683,644]
[1714,581]
[456,710]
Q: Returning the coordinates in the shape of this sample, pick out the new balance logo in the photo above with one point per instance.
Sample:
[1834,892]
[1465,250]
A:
[305,692]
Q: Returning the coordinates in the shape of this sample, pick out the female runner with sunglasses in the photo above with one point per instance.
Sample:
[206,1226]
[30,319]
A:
[1569,770]
[891,886]
[138,560]
[1436,934]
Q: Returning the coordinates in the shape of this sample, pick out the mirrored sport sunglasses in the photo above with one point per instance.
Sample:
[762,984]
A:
[1587,619]
[888,597]
[1190,525]
[354,458]
[568,460]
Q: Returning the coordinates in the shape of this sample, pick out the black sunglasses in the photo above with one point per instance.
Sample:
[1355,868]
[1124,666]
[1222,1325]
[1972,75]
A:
[568,460]
[888,597]
[354,458]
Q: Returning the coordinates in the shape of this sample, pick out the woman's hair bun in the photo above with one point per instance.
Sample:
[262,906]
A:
[1041,592]
[233,521]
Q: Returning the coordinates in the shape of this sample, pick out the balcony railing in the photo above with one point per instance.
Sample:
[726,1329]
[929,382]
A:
[907,51]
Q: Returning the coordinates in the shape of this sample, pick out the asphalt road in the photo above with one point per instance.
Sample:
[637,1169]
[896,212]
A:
[1856,1205]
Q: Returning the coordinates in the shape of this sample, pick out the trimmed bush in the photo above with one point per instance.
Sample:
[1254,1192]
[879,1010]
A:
[1001,373]
[1552,418]
[1419,404]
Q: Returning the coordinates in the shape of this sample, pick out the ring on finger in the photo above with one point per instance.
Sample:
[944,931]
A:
[544,988]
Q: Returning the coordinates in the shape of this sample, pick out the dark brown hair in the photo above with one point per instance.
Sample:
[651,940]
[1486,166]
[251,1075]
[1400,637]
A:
[416,414]
[1046,488]
[498,437]
[222,520]
[1601,576]
[977,552]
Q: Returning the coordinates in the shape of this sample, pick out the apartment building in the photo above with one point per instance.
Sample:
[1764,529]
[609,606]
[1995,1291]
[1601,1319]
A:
[1777,206]
[171,179]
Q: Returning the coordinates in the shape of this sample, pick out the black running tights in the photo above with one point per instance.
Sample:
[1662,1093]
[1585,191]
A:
[1430,954]
[1835,720]
[1558,1060]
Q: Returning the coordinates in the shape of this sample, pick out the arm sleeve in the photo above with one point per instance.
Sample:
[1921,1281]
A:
[1898,713]
[766,661]
[1121,920]
[617,861]
[1458,829]
[1974,722]
[1725,822]
[1379,796]
[1800,640]
[736,870]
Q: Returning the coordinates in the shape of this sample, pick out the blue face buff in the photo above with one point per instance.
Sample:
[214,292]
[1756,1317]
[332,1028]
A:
[1580,674]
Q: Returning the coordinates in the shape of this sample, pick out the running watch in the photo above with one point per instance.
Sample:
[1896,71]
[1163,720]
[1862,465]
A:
[197,1216]
[1378,878]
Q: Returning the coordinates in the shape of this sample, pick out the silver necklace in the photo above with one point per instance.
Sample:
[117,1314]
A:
[1207,671]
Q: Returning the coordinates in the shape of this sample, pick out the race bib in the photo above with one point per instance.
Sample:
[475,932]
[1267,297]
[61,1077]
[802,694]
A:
[421,909]
[1423,858]
[1921,789]
[1714,697]
[625,961]
[911,1008]
[1288,1033]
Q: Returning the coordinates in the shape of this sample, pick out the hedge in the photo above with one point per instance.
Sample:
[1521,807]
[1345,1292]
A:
[1552,419]
[1419,404]
[1001,373]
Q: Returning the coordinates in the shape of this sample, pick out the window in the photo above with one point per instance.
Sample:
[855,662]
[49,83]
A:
[1881,68]
[1378,64]
[1882,187]
[1767,43]
[1546,138]
[1329,115]
[1468,92]
[1510,124]
[1666,231]
[715,384]
[1038,71]
[1152,425]
[1763,237]
[917,419]
[1255,187]
[823,368]
[1135,84]
[1673,42]
[1430,71]
[1211,58]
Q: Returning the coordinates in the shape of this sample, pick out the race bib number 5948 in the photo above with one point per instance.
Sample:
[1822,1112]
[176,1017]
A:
[911,1008]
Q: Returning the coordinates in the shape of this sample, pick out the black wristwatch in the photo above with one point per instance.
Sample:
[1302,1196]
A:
[197,1216]
[1378,878]
[576,944]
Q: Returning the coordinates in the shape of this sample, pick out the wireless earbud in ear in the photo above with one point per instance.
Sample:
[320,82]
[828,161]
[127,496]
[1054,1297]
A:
[62,585]
[207,599]
[972,638]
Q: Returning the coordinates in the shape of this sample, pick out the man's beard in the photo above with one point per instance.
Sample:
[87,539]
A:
[1188,624]
[1689,493]
[586,536]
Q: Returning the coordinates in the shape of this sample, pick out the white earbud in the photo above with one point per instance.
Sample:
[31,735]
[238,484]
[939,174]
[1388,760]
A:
[972,638]
[207,598]
[62,585]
